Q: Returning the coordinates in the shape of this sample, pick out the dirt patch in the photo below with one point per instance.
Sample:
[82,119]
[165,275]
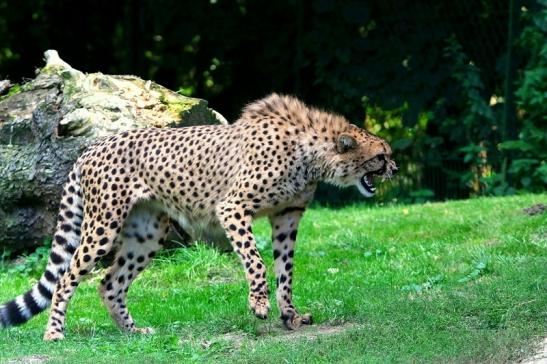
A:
[276,332]
[311,332]
[540,356]
[234,338]
[33,359]
[535,209]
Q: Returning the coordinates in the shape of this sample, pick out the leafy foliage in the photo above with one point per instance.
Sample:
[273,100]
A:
[430,76]
[29,265]
[530,150]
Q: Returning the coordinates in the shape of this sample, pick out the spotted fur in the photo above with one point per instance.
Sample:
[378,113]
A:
[123,190]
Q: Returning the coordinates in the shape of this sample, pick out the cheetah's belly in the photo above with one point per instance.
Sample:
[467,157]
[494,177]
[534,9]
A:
[200,228]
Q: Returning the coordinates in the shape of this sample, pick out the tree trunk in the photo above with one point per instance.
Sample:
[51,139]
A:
[46,124]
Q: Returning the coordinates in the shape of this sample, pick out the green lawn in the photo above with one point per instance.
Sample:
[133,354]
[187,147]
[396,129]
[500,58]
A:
[453,282]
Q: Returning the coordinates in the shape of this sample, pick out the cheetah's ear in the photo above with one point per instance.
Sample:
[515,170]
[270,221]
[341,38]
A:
[345,143]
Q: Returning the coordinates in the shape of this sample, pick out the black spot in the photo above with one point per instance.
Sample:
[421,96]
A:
[242,232]
[281,237]
[103,241]
[121,261]
[66,228]
[140,259]
[13,314]
[50,277]
[293,235]
[87,258]
[44,291]
[276,253]
[56,258]
[60,239]
[70,249]
[100,231]
[232,227]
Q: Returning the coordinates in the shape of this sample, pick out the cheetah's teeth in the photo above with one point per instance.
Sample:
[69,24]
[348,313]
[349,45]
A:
[366,182]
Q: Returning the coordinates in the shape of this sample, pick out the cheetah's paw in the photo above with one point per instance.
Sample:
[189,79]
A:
[293,320]
[145,330]
[53,336]
[260,306]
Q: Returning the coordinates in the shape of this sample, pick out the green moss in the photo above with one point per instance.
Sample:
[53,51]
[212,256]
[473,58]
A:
[177,105]
[54,69]
[69,89]
[15,89]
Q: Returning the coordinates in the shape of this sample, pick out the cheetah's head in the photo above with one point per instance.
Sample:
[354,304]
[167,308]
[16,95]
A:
[358,158]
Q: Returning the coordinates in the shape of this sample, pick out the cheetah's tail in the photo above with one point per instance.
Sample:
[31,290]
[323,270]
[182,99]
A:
[65,241]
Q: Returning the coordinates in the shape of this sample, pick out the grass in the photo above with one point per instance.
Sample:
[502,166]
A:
[461,281]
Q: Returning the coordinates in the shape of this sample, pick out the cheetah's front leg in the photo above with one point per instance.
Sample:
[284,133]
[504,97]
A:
[237,223]
[284,229]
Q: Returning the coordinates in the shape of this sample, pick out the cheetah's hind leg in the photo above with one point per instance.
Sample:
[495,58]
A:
[142,236]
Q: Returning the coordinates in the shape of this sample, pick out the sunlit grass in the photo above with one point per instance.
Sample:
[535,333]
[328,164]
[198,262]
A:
[447,282]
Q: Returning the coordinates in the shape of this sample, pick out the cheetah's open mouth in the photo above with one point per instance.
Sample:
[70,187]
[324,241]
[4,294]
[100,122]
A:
[367,182]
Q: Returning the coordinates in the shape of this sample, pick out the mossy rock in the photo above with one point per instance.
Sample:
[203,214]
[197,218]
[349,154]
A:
[45,125]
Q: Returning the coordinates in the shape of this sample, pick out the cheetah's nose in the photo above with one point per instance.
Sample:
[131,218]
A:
[394,168]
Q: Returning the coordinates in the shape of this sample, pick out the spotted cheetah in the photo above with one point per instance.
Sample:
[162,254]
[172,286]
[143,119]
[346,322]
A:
[122,192]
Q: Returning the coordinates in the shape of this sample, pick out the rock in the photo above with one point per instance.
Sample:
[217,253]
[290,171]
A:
[45,125]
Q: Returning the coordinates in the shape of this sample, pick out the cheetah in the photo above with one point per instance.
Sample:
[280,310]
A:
[123,191]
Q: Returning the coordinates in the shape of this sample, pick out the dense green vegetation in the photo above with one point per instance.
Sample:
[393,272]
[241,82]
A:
[441,282]
[457,87]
